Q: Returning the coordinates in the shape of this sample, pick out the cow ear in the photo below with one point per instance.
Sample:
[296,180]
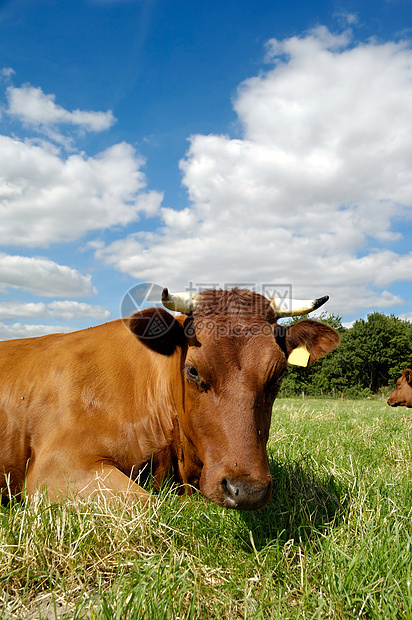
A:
[188,325]
[408,375]
[308,340]
[158,330]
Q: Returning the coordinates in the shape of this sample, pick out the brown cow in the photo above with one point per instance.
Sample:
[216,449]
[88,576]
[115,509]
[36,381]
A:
[402,394]
[188,396]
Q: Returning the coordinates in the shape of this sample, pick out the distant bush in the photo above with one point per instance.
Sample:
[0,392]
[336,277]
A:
[369,359]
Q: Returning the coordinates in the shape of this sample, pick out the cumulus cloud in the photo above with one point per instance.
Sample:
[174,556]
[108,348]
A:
[47,199]
[34,107]
[309,194]
[19,330]
[48,196]
[43,277]
[66,310]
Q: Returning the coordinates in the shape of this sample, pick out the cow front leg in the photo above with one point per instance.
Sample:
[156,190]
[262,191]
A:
[111,482]
[89,483]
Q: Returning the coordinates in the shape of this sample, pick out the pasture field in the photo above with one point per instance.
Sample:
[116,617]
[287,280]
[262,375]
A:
[334,542]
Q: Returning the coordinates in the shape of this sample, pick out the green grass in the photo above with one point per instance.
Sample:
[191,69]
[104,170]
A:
[334,542]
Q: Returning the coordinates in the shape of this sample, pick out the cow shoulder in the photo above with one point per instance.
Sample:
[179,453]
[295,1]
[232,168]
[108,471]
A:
[318,338]
[161,332]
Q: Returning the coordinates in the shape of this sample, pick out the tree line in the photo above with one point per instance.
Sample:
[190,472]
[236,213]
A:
[370,358]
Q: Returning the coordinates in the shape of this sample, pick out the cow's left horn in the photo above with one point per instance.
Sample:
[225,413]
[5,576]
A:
[297,307]
[180,302]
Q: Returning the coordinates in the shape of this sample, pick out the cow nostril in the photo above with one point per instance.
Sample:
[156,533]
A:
[244,496]
[231,492]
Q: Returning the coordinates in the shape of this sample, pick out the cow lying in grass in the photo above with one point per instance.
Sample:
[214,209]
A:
[188,396]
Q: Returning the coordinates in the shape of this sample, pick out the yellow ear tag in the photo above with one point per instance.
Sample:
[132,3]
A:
[299,356]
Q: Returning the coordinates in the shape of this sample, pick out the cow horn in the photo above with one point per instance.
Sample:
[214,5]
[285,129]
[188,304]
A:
[180,302]
[297,307]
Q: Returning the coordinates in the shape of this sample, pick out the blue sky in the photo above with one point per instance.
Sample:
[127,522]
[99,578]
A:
[180,143]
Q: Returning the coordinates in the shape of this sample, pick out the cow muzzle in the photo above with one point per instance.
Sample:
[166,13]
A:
[245,495]
[245,489]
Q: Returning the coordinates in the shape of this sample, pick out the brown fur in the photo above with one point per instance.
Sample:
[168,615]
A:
[95,410]
[402,394]
[240,303]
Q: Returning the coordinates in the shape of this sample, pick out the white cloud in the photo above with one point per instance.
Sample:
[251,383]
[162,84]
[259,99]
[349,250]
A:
[19,330]
[47,199]
[43,277]
[66,310]
[34,107]
[345,18]
[6,73]
[309,193]
[69,310]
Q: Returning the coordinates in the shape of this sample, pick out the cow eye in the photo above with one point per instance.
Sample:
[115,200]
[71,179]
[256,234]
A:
[193,376]
[192,373]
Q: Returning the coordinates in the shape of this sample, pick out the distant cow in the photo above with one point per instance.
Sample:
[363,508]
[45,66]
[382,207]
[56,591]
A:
[188,396]
[402,394]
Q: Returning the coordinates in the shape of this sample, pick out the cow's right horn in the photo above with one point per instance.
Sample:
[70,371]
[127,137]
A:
[296,307]
[180,302]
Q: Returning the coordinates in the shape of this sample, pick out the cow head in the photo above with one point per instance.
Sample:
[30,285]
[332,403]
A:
[402,394]
[234,360]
